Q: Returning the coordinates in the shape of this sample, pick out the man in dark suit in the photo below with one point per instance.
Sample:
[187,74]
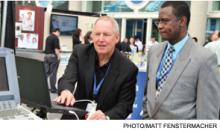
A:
[183,78]
[102,72]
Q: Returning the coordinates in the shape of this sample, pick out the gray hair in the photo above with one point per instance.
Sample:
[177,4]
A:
[112,20]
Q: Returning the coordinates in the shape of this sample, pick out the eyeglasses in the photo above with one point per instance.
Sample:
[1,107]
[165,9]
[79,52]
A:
[164,21]
[104,35]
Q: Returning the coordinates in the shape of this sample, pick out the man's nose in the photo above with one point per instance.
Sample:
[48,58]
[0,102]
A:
[159,26]
[101,37]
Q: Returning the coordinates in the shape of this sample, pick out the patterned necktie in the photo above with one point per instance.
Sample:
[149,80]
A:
[167,65]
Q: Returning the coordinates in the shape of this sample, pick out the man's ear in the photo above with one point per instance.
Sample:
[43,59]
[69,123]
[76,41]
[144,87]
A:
[118,37]
[183,21]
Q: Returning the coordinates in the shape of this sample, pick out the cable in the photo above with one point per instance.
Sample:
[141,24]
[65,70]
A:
[74,113]
[83,100]
[75,87]
[91,106]
[91,109]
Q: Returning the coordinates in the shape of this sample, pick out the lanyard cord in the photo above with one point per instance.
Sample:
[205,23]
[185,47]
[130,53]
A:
[96,87]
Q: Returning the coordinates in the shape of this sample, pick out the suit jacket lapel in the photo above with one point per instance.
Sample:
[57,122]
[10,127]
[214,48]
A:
[90,72]
[111,77]
[178,68]
[152,85]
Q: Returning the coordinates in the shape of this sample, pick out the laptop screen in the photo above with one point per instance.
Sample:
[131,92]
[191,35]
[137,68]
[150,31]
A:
[32,81]
[9,90]
[3,75]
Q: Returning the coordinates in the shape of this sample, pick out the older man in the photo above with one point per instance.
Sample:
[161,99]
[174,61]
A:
[102,72]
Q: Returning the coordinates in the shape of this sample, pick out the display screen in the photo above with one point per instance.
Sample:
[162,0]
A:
[66,24]
[3,75]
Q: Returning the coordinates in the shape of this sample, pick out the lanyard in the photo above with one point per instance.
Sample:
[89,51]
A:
[96,87]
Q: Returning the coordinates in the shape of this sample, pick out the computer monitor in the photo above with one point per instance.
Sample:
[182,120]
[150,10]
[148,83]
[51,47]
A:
[34,85]
[9,90]
[66,23]
[3,75]
[32,79]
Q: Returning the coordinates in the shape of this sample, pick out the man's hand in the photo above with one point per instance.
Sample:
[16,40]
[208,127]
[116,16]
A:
[66,98]
[58,53]
[58,57]
[98,115]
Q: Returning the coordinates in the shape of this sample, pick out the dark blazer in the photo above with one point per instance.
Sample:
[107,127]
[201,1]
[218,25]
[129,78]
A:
[117,93]
[124,47]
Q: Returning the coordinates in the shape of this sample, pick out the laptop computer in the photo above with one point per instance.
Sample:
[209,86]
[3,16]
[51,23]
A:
[10,107]
[34,85]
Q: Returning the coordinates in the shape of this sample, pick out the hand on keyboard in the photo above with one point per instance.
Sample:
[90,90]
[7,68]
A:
[66,98]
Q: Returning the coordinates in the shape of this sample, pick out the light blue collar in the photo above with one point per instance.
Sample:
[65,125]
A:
[178,46]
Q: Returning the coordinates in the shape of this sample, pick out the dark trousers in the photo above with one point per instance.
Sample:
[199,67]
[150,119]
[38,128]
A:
[51,65]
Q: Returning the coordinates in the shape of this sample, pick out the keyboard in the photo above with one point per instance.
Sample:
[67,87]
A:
[16,114]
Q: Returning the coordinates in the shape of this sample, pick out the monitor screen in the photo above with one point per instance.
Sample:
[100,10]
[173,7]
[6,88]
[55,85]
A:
[3,75]
[32,93]
[8,76]
[67,24]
